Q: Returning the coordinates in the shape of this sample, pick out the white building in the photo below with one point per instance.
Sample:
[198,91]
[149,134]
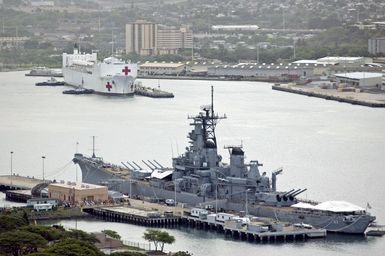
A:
[376,45]
[155,68]
[263,70]
[345,60]
[41,3]
[234,27]
[360,79]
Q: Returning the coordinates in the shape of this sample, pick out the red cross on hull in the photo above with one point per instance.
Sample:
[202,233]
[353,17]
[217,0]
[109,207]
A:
[108,86]
[126,70]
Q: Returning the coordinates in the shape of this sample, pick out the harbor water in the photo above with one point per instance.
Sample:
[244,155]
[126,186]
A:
[334,150]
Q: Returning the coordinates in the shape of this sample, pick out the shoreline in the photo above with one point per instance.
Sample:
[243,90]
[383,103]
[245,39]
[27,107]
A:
[354,98]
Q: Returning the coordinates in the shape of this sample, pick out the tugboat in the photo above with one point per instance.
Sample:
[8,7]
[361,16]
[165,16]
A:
[200,178]
[79,91]
[50,82]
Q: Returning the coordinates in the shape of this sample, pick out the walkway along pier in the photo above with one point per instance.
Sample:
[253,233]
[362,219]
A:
[329,96]
[155,219]
[18,188]
[134,216]
[15,182]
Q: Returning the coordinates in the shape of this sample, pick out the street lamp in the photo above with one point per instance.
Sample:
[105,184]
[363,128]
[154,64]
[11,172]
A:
[246,203]
[11,165]
[76,166]
[42,158]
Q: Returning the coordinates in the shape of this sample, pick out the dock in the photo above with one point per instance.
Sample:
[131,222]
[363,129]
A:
[134,216]
[354,98]
[173,219]
[18,188]
[152,92]
[15,182]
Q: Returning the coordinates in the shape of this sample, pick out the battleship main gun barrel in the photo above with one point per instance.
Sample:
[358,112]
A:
[291,197]
[288,195]
[279,197]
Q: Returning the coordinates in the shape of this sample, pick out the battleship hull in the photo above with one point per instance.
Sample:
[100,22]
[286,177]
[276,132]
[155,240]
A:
[94,173]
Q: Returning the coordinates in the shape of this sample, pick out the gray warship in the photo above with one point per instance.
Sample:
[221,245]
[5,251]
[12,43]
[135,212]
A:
[200,178]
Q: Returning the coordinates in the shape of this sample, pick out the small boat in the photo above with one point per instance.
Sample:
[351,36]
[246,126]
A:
[44,71]
[375,232]
[50,82]
[79,91]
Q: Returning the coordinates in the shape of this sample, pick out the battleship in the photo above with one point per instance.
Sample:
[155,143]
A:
[200,178]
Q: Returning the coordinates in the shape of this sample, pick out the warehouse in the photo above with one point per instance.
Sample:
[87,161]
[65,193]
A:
[360,79]
[262,70]
[155,68]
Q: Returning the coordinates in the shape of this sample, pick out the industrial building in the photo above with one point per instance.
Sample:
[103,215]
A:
[280,70]
[75,193]
[376,45]
[345,60]
[147,38]
[360,79]
[155,68]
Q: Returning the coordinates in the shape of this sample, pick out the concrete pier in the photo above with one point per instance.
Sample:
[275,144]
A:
[15,182]
[354,98]
[152,92]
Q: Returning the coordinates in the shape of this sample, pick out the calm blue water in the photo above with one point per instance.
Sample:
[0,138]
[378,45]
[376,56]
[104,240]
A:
[335,150]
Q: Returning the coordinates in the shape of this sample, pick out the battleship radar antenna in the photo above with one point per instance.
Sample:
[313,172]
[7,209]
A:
[212,102]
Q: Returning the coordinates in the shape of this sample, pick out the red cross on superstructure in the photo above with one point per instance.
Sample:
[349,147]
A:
[126,70]
[108,86]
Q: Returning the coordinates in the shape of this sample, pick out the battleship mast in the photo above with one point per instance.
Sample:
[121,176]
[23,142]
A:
[209,122]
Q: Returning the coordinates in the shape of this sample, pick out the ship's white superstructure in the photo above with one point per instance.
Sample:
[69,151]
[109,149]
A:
[110,77]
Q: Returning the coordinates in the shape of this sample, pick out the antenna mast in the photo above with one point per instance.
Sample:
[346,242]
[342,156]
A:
[93,147]
[212,102]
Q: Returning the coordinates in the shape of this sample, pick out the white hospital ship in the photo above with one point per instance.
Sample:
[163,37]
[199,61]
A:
[110,77]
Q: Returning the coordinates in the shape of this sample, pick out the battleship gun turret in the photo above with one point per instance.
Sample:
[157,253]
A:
[280,197]
[288,195]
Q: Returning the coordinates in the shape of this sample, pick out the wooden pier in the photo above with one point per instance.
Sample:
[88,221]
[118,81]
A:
[168,220]
[289,233]
[134,216]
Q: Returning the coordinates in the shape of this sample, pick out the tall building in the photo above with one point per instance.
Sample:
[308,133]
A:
[376,45]
[146,38]
[141,37]
[171,40]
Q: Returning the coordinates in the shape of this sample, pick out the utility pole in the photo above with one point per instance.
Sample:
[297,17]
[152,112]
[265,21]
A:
[11,166]
[93,147]
[258,53]
[294,49]
[42,158]
[76,166]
